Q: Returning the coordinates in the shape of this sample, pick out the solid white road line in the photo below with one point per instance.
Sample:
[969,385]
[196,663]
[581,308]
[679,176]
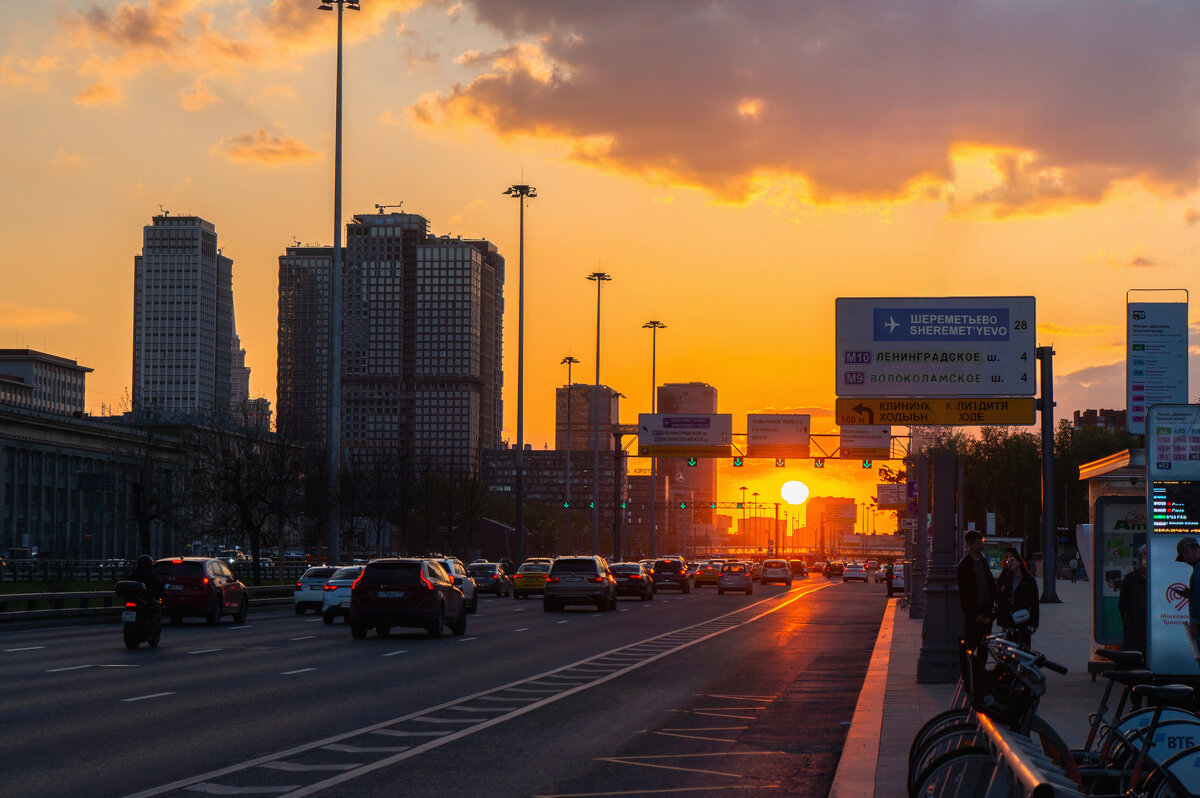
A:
[144,697]
[394,653]
[206,651]
[301,670]
[26,648]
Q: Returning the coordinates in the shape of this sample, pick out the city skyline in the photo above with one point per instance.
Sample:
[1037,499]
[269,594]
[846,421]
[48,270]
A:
[722,163]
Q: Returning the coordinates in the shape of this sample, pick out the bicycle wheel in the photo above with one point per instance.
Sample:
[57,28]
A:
[1121,741]
[966,772]
[954,738]
[936,724]
[1177,777]
[1170,737]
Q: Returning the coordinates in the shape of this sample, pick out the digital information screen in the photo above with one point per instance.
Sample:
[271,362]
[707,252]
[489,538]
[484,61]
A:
[1175,507]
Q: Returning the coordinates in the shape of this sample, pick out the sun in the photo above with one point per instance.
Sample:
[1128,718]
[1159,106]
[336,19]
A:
[794,492]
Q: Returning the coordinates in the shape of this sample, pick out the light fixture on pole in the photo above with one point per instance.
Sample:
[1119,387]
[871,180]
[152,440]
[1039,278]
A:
[568,540]
[521,192]
[654,327]
[600,278]
[334,433]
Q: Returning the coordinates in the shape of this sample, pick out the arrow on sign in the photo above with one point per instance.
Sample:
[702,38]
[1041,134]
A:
[692,461]
[862,409]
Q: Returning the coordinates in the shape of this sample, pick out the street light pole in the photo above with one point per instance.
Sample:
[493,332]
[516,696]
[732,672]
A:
[568,360]
[599,278]
[745,529]
[334,443]
[521,192]
[654,326]
[754,523]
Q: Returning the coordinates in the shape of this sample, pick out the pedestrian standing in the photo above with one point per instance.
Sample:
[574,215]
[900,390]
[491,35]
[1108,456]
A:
[1187,550]
[1018,612]
[1132,603]
[1074,566]
[977,596]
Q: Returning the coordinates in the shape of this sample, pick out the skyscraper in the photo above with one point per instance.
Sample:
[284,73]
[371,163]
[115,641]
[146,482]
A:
[183,336]
[421,340]
[700,479]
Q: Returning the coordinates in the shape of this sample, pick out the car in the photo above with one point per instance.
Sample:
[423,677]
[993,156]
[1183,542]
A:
[819,567]
[406,591]
[462,580]
[490,577]
[633,580]
[776,571]
[308,594]
[335,595]
[735,576]
[706,574]
[233,556]
[881,573]
[580,580]
[798,568]
[201,587]
[872,565]
[833,570]
[648,563]
[692,568]
[530,578]
[755,570]
[854,571]
[897,578]
[672,573]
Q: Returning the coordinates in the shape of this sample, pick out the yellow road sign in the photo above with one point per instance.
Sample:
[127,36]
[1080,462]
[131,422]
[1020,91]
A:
[942,411]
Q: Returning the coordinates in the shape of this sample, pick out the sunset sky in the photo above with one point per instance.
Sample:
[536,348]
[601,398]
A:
[735,165]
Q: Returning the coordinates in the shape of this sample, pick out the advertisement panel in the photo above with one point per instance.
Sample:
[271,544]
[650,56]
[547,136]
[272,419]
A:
[1173,498]
[777,435]
[685,434]
[1156,368]
[1120,530]
[929,347]
[869,441]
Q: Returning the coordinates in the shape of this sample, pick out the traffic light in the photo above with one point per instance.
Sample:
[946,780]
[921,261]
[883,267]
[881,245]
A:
[591,505]
[683,505]
[624,505]
[866,463]
[712,505]
[566,505]
[738,462]
[819,462]
[693,462]
[780,462]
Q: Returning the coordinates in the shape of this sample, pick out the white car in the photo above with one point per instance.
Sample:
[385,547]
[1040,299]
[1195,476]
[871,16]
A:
[309,590]
[776,571]
[335,596]
[855,570]
[462,580]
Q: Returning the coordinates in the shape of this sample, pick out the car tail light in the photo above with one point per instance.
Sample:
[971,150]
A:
[330,587]
[130,604]
[176,562]
[204,581]
[635,576]
[361,574]
[551,578]
[595,579]
[299,586]
[425,581]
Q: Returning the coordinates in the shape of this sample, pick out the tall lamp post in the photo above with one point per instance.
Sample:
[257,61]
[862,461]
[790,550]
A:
[654,327]
[745,528]
[599,278]
[335,298]
[567,539]
[754,520]
[521,192]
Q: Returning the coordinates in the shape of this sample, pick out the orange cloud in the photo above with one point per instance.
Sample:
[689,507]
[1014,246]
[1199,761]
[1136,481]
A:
[849,105]
[197,96]
[14,316]
[267,150]
[99,93]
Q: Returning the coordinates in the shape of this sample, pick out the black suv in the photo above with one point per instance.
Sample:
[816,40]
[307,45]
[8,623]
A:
[671,573]
[580,580]
[406,592]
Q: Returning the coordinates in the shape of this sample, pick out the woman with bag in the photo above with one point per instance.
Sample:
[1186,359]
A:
[1018,599]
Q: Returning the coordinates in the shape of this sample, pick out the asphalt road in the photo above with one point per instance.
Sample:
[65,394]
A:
[698,694]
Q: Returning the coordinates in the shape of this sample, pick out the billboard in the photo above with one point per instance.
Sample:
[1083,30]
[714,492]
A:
[685,434]
[777,435]
[1120,530]
[931,347]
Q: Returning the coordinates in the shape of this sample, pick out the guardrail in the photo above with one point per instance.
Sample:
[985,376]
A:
[103,605]
[60,571]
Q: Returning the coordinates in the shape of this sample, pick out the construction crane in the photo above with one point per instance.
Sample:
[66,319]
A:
[383,208]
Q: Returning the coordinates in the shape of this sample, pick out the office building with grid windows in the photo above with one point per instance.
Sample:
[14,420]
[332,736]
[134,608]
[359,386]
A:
[421,341]
[183,336]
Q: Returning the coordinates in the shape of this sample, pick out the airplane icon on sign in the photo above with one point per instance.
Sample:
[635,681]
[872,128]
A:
[891,325]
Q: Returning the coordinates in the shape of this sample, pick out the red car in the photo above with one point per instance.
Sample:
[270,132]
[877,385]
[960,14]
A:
[201,587]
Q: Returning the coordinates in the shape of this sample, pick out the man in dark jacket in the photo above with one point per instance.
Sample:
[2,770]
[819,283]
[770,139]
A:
[977,595]
[1132,603]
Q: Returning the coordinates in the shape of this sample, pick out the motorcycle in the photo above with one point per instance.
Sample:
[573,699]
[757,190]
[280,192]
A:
[142,615]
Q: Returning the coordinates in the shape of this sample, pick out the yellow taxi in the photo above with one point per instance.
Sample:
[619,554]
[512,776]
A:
[707,574]
[756,571]
[531,577]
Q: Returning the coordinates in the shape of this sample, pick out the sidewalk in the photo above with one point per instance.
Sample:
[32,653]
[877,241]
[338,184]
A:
[890,712]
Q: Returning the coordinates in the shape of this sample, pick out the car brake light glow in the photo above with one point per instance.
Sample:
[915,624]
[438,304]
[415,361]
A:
[359,579]
[635,576]
[595,578]
[176,562]
[130,604]
[426,582]
[298,586]
[552,579]
[330,587]
[204,581]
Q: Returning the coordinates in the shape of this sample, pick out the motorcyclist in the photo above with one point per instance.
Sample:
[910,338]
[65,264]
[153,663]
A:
[144,573]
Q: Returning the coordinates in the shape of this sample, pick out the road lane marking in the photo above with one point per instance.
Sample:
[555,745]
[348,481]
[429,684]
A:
[666,791]
[394,653]
[301,670]
[686,636]
[465,639]
[306,637]
[206,651]
[144,697]
[72,668]
[564,621]
[295,767]
[696,737]
[221,789]
[522,629]
[26,648]
[342,748]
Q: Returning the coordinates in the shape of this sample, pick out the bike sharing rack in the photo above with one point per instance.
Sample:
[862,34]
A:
[1021,767]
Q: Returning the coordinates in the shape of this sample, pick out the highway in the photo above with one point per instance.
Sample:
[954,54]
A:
[686,694]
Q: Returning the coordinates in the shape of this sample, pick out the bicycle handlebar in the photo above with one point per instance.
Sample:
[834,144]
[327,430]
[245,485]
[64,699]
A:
[1054,666]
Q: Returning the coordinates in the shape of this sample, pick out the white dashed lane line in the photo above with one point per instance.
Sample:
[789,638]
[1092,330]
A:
[206,650]
[300,670]
[26,648]
[394,653]
[144,697]
[465,639]
[306,637]
[522,629]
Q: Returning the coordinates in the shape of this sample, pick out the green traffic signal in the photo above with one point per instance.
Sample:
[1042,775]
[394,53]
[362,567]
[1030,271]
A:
[739,505]
[591,505]
[866,464]
[683,505]
[712,506]
[566,505]
[692,461]
[737,462]
[819,462]
[780,462]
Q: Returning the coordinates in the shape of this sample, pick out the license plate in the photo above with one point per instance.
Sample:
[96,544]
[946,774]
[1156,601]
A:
[572,579]
[174,587]
[129,616]
[391,594]
[345,605]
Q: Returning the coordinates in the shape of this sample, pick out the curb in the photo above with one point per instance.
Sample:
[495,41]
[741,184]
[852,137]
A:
[855,776]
